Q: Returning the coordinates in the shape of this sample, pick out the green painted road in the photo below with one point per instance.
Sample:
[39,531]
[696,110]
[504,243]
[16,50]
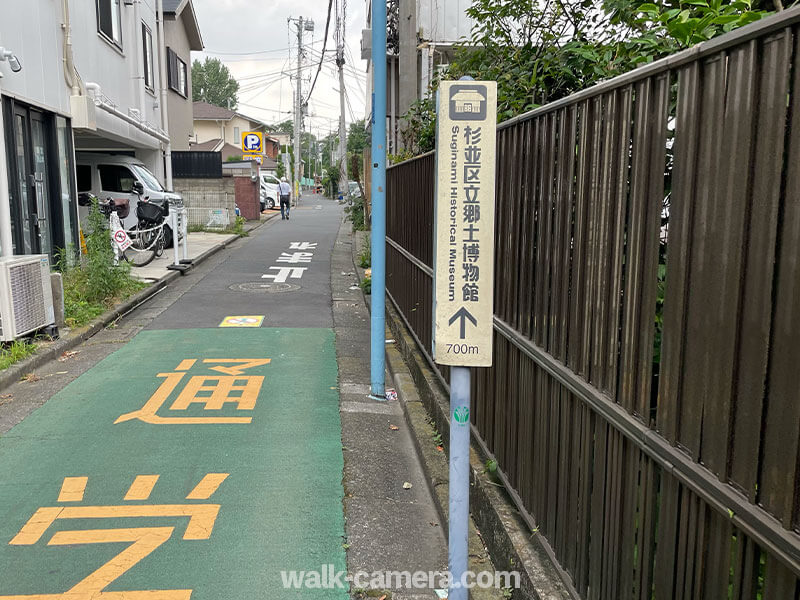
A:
[278,439]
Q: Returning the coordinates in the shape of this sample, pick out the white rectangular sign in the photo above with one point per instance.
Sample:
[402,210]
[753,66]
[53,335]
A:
[464,260]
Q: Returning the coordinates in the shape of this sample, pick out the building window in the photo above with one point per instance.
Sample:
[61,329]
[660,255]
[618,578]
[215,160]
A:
[109,21]
[237,138]
[147,48]
[84,177]
[182,83]
[177,74]
[116,178]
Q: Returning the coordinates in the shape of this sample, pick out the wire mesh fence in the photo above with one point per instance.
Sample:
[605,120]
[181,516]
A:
[209,209]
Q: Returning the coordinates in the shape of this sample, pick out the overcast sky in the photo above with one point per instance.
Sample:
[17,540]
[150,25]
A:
[257,44]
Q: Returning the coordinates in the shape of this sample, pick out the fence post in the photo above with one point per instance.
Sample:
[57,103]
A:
[177,264]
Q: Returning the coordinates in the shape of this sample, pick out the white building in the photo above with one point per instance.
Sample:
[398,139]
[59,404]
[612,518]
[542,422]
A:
[90,81]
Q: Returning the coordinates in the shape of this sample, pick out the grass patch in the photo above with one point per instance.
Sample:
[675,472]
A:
[365,257]
[236,229]
[13,352]
[366,285]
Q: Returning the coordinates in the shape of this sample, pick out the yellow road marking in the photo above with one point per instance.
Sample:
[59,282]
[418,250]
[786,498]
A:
[138,595]
[201,518]
[242,321]
[220,393]
[146,540]
[247,363]
[142,487]
[72,489]
[248,386]
[207,486]
[147,413]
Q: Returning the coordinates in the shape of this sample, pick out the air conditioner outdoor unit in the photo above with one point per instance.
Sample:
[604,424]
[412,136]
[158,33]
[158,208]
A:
[26,298]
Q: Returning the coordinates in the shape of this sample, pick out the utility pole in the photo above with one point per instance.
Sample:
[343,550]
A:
[299,105]
[308,141]
[342,129]
[298,108]
[342,162]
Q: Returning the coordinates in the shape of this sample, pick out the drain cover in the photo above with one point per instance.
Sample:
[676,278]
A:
[267,288]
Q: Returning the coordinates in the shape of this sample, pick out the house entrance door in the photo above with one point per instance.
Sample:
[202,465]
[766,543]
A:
[30,202]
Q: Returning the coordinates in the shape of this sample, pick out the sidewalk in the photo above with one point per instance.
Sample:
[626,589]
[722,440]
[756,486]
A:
[389,527]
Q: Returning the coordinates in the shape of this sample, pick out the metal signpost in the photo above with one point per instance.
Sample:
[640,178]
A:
[464,277]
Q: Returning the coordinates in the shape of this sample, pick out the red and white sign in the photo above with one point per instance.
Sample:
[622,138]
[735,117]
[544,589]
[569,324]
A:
[118,234]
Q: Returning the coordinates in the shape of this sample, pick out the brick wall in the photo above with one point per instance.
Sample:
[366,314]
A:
[247,198]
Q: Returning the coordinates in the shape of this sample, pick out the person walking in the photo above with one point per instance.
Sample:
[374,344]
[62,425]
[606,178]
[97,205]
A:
[284,191]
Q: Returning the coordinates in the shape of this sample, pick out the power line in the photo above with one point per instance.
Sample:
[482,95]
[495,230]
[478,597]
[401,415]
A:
[255,52]
[283,112]
[324,46]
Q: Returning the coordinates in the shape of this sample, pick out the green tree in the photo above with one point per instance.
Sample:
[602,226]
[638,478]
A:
[212,82]
[286,126]
[357,137]
[540,52]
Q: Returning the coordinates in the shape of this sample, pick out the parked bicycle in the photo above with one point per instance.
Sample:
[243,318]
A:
[147,237]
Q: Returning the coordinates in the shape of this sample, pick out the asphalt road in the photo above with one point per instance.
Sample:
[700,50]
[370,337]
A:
[197,460]
[237,287]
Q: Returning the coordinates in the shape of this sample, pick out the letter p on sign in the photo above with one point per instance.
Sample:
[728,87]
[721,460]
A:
[252,142]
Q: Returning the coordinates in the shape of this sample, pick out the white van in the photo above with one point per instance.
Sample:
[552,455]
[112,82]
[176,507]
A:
[119,177]
[269,190]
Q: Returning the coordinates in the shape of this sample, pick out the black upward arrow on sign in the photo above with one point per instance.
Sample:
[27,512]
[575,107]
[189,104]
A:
[463,314]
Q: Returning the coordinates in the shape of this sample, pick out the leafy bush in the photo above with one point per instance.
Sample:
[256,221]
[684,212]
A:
[93,283]
[355,213]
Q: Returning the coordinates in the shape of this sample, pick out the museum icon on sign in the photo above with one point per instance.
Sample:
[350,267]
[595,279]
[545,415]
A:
[468,102]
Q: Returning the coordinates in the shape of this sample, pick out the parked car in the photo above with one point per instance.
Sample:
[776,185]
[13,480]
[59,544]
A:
[121,177]
[269,191]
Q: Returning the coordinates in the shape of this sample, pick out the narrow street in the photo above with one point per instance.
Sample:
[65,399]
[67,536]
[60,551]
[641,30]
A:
[194,450]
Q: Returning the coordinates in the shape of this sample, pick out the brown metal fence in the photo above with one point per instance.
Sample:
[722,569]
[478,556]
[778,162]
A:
[644,406]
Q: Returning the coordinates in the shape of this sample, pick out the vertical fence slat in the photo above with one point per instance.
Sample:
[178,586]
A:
[577,341]
[723,269]
[522,298]
[602,250]
[667,544]
[778,483]
[697,361]
[751,369]
[685,168]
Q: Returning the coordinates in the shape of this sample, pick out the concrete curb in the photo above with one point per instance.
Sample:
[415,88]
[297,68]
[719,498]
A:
[511,544]
[16,371]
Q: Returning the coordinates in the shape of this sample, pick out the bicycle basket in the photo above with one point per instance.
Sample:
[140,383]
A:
[147,211]
[122,206]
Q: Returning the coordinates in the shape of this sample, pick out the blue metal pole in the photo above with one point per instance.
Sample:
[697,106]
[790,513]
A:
[458,537]
[378,195]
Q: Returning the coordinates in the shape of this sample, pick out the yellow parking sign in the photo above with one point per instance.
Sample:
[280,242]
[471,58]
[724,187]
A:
[252,142]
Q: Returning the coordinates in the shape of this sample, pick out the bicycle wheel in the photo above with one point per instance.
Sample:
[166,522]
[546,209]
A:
[142,251]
